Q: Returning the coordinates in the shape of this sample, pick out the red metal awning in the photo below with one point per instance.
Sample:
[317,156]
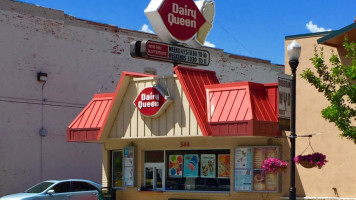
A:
[86,126]
[231,109]
[242,108]
[90,123]
[193,81]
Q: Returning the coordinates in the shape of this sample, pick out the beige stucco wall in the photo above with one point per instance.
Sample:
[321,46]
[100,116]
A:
[336,178]
[81,58]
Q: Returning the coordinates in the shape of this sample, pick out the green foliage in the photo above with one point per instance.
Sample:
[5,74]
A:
[338,85]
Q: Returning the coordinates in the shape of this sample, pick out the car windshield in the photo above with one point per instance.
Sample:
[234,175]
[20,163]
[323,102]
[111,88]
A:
[40,187]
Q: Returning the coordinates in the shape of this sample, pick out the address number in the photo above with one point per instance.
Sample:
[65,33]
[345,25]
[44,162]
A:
[184,144]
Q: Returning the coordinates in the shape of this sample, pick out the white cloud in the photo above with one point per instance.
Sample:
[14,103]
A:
[146,29]
[208,44]
[314,28]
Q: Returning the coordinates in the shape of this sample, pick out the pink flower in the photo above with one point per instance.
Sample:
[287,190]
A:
[273,164]
[317,159]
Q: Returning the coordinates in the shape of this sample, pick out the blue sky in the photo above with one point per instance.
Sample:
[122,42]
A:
[254,28]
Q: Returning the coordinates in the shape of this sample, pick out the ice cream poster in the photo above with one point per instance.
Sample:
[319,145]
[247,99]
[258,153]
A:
[128,176]
[208,166]
[175,166]
[129,156]
[191,162]
[224,166]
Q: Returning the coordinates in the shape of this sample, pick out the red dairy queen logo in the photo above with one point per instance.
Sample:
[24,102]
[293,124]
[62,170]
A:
[152,101]
[181,20]
[183,14]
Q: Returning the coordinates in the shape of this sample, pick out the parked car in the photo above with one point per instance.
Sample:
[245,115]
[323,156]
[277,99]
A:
[78,189]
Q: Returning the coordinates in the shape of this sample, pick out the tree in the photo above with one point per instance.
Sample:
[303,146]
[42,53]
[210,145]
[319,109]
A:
[338,85]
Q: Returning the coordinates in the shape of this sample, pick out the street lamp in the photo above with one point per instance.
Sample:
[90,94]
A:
[293,51]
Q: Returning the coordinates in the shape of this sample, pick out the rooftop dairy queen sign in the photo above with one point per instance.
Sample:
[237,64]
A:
[181,21]
[183,14]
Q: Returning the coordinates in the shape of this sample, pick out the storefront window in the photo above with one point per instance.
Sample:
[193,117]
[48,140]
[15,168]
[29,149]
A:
[192,170]
[117,169]
[249,175]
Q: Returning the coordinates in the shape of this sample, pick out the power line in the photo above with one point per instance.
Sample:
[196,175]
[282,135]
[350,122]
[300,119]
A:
[235,39]
[40,103]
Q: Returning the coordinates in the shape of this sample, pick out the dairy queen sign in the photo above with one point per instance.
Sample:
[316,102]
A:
[152,101]
[181,21]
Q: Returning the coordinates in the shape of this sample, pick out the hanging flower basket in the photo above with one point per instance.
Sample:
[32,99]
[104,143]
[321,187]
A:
[311,160]
[307,164]
[274,165]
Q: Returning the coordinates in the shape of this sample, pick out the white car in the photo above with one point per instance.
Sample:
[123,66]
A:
[78,189]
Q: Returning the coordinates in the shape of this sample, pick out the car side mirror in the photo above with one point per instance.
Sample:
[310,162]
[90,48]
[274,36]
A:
[50,192]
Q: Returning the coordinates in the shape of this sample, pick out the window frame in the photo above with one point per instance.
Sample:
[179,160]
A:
[252,170]
[188,151]
[112,168]
[88,186]
[154,166]
[67,183]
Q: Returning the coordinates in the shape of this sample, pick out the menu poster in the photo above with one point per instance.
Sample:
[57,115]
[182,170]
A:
[243,158]
[258,157]
[271,152]
[243,180]
[208,166]
[259,177]
[191,162]
[224,166]
[249,176]
[129,156]
[271,181]
[175,166]
[129,176]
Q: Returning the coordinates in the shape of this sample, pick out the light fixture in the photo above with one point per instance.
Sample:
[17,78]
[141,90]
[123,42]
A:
[293,51]
[41,77]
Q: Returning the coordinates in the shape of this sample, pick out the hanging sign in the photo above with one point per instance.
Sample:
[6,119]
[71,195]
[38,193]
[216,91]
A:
[284,101]
[169,53]
[152,101]
[181,20]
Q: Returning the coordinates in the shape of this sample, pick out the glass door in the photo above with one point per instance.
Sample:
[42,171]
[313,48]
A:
[154,176]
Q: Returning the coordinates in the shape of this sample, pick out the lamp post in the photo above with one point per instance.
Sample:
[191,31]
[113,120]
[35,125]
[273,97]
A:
[293,51]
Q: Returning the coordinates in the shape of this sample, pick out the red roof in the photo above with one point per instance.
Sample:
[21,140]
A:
[232,109]
[242,108]
[86,126]
[89,124]
[193,81]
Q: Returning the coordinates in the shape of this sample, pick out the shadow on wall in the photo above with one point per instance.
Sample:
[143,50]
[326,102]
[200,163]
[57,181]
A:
[286,176]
